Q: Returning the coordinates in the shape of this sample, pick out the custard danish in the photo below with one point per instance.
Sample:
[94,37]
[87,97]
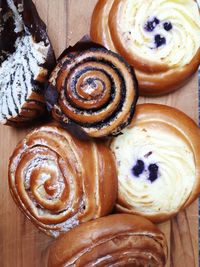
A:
[160,39]
[59,181]
[158,162]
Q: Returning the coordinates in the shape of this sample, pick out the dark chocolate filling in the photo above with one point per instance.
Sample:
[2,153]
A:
[74,83]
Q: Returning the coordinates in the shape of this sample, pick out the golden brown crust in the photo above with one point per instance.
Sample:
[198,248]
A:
[153,78]
[185,128]
[59,181]
[115,240]
[33,108]
[163,83]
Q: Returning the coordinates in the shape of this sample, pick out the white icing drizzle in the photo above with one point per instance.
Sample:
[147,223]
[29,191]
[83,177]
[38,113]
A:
[20,69]
[19,25]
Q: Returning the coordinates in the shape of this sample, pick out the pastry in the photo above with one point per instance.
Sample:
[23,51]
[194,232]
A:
[115,240]
[59,181]
[92,88]
[160,39]
[26,56]
[158,162]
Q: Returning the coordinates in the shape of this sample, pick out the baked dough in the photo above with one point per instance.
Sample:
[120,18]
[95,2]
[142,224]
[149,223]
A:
[160,39]
[115,240]
[93,89]
[26,57]
[158,161]
[59,181]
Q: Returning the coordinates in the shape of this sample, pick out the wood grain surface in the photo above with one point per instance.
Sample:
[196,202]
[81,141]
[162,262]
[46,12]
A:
[22,245]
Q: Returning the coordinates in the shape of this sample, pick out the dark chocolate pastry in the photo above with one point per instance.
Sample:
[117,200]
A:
[26,57]
[94,89]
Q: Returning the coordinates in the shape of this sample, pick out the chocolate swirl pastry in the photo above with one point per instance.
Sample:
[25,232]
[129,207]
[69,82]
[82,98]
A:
[26,56]
[115,240]
[158,161]
[160,39]
[59,182]
[93,89]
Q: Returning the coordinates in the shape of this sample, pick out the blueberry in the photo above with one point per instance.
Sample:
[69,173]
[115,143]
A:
[151,24]
[138,168]
[159,40]
[153,172]
[167,26]
[153,167]
[153,177]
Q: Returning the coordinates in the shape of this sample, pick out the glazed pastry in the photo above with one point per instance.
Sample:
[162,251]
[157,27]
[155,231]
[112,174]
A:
[115,240]
[160,39]
[59,181]
[93,89]
[158,161]
[26,56]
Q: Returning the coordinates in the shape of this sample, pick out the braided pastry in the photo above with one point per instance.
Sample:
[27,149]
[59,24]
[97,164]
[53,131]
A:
[158,161]
[94,89]
[26,56]
[160,39]
[59,181]
[115,240]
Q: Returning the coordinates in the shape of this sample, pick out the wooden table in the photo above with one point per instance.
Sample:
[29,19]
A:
[22,245]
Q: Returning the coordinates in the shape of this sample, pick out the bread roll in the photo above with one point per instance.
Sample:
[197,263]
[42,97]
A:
[26,57]
[160,39]
[93,89]
[59,181]
[158,162]
[115,240]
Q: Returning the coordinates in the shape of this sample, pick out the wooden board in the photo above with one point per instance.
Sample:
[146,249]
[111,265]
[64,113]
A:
[22,245]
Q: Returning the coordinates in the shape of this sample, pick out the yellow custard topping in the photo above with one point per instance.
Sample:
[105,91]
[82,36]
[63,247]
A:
[162,31]
[156,167]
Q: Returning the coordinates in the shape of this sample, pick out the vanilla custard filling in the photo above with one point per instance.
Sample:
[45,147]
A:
[156,168]
[162,31]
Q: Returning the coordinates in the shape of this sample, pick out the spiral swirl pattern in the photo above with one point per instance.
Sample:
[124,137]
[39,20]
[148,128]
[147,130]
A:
[97,91]
[160,39]
[116,240]
[59,181]
[156,167]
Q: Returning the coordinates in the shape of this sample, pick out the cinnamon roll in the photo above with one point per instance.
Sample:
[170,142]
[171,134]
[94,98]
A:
[158,162]
[93,89]
[26,56]
[59,181]
[160,39]
[115,240]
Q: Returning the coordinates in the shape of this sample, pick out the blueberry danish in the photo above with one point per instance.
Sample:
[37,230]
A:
[93,89]
[160,39]
[26,56]
[158,161]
